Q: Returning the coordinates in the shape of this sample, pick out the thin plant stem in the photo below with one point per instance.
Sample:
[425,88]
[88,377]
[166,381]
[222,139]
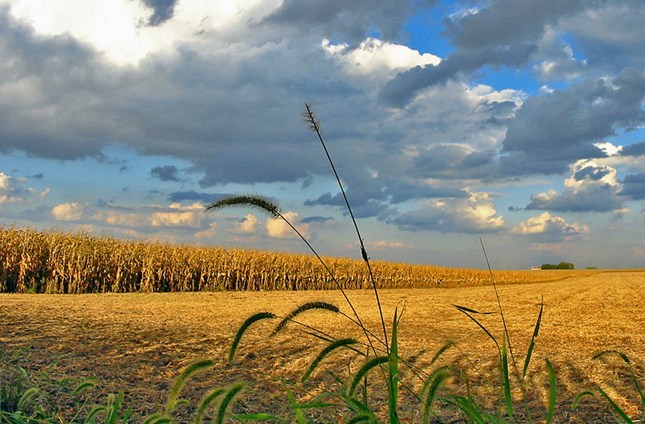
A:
[315,126]
[358,318]
[501,311]
[267,206]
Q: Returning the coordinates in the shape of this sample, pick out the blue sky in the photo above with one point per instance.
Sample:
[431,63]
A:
[520,122]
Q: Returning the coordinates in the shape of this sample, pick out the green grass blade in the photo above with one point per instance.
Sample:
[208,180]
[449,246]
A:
[553,391]
[468,312]
[579,397]
[301,417]
[158,418]
[249,321]
[634,379]
[256,417]
[360,419]
[227,401]
[393,372]
[209,398]
[536,331]
[83,385]
[472,311]
[621,414]
[432,385]
[304,308]
[375,362]
[91,416]
[27,397]
[113,405]
[360,409]
[189,371]
[507,381]
[325,352]
[441,351]
[467,407]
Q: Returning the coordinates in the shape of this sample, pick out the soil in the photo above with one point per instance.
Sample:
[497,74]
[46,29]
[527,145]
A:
[138,343]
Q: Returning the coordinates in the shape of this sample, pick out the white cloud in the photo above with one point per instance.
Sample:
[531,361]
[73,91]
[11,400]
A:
[589,173]
[176,219]
[277,228]
[119,218]
[4,182]
[549,228]
[118,28]
[68,211]
[194,207]
[384,244]
[376,59]
[592,186]
[248,225]
[474,214]
[111,27]
[609,148]
[8,193]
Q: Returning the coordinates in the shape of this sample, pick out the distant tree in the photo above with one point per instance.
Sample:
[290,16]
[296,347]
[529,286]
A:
[561,265]
[566,265]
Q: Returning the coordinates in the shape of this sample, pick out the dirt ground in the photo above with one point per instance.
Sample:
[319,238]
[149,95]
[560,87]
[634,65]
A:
[138,343]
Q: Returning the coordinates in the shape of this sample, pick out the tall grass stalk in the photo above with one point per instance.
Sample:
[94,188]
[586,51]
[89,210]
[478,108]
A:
[504,351]
[265,205]
[388,363]
[314,125]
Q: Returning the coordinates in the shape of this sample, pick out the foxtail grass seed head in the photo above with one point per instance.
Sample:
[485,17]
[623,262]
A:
[254,201]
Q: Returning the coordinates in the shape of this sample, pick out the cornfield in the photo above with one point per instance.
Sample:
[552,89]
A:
[51,262]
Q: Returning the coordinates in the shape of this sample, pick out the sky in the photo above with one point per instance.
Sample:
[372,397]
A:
[516,124]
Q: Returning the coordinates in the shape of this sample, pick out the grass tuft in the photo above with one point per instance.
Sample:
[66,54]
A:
[309,306]
[336,344]
[180,382]
[247,323]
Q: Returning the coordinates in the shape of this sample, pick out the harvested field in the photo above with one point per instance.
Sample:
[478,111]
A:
[139,342]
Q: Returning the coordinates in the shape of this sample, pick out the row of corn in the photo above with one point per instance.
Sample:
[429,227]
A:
[34,261]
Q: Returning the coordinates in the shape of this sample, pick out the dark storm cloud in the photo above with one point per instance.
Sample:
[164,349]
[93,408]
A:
[508,22]
[506,33]
[162,10]
[455,162]
[596,199]
[446,220]
[636,149]
[634,186]
[165,173]
[351,20]
[372,196]
[233,110]
[611,35]
[215,110]
[58,72]
[316,219]
[563,125]
[406,85]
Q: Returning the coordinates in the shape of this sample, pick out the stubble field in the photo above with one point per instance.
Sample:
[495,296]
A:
[138,342]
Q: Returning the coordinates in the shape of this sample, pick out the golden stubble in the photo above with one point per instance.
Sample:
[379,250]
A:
[139,342]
